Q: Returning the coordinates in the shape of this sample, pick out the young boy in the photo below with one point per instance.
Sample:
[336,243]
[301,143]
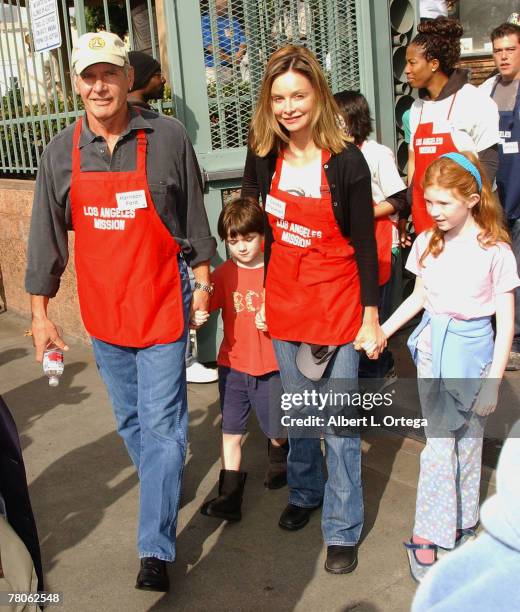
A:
[248,371]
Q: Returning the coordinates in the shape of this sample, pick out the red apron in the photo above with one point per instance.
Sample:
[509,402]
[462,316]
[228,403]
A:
[312,286]
[428,145]
[129,285]
[384,239]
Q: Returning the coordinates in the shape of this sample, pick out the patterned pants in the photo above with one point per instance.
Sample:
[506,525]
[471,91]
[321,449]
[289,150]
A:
[449,479]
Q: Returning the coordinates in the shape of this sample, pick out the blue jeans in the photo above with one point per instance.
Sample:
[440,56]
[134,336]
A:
[342,494]
[147,388]
[514,230]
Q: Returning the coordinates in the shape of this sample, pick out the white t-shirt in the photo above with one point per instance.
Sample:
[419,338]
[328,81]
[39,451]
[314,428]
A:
[304,181]
[473,121]
[385,178]
[429,9]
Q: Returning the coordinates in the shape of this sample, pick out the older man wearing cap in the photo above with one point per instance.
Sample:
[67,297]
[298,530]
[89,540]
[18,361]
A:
[137,214]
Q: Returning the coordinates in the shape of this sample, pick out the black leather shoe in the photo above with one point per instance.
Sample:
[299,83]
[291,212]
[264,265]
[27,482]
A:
[294,517]
[153,575]
[341,559]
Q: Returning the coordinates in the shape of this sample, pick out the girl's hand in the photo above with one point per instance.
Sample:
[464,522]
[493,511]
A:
[260,321]
[487,399]
[371,339]
[198,318]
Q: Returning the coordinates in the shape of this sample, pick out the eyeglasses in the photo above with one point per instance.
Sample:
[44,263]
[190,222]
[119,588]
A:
[506,50]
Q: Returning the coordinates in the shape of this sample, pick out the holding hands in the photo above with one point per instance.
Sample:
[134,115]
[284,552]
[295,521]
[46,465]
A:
[198,318]
[260,321]
[370,337]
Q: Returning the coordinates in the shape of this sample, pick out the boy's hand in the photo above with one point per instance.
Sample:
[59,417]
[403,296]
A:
[198,318]
[260,319]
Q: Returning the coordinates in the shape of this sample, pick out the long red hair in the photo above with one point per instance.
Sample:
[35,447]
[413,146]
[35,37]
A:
[446,174]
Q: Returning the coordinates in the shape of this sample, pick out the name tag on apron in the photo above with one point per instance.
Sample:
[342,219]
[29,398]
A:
[275,207]
[509,147]
[130,200]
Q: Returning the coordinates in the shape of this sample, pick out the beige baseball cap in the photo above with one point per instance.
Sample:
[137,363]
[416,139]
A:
[97,47]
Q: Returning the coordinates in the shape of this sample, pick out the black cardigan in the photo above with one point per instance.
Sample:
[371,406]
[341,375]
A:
[348,176]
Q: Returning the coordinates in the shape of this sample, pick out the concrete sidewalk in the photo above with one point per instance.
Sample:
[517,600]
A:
[85,491]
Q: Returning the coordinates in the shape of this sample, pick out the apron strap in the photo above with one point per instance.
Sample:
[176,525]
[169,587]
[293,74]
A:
[76,156]
[142,142]
[324,183]
[451,105]
[277,173]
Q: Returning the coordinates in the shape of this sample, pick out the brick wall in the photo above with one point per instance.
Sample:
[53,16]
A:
[480,68]
[15,210]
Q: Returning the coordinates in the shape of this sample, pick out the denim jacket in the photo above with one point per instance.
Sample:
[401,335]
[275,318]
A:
[462,352]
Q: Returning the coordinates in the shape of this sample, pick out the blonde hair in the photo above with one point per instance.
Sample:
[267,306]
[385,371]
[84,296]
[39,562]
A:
[444,173]
[266,133]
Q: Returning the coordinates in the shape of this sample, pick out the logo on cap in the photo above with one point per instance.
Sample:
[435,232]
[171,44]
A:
[96,43]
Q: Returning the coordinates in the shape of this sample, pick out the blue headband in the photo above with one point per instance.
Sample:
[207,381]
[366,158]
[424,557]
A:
[465,163]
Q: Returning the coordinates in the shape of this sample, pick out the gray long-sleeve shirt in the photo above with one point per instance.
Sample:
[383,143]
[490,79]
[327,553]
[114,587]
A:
[173,179]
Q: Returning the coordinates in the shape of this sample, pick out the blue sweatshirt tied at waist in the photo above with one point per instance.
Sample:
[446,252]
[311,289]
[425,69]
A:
[461,353]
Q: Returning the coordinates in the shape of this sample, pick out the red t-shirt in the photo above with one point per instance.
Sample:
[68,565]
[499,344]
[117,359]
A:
[239,293]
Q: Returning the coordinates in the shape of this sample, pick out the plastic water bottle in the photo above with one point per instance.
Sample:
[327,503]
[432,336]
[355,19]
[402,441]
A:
[53,364]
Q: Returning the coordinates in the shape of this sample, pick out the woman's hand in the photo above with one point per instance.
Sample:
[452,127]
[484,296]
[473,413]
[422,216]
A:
[371,339]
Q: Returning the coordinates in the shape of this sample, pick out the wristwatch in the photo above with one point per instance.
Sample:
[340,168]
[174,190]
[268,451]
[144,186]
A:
[204,287]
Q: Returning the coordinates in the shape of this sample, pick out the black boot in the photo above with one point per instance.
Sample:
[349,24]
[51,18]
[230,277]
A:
[276,475]
[228,504]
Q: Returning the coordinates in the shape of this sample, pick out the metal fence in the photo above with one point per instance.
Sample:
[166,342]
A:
[249,31]
[231,41]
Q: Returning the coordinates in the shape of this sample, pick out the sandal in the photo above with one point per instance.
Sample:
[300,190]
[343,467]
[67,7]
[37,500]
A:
[419,570]
[463,536]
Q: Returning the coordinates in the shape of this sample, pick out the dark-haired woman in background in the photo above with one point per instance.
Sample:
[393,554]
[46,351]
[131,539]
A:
[389,199]
[450,115]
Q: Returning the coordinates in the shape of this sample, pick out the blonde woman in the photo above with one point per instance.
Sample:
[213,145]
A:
[321,289]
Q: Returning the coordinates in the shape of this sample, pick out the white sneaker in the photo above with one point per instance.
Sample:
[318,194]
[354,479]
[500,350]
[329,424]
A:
[197,373]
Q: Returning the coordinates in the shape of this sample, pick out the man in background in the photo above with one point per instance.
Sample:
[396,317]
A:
[148,80]
[504,90]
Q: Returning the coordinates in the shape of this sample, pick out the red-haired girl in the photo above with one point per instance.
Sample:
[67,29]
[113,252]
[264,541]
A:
[466,272]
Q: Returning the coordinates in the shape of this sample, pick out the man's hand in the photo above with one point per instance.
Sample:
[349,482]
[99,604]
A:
[198,318]
[199,302]
[44,333]
[200,299]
